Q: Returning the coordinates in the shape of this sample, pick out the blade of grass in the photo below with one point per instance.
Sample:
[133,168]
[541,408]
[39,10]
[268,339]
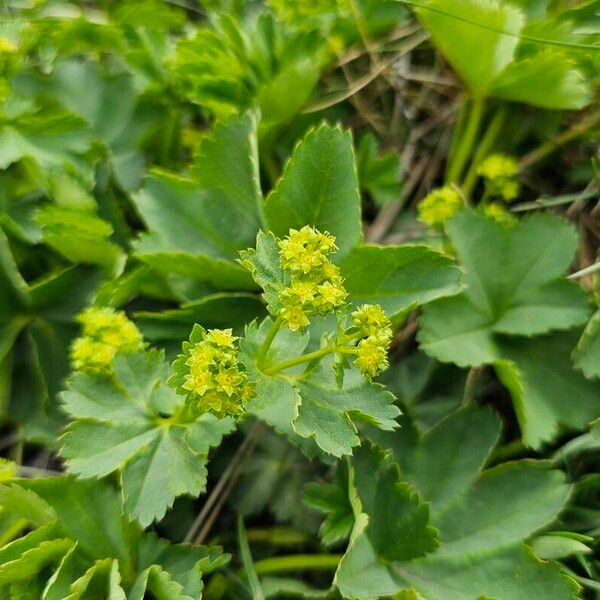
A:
[257,593]
[555,201]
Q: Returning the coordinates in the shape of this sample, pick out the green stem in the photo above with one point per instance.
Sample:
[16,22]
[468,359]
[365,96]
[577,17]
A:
[564,138]
[297,562]
[470,385]
[483,150]
[458,130]
[264,349]
[308,357]
[465,144]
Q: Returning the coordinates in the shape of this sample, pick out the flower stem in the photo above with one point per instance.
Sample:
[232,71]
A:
[465,144]
[273,369]
[266,345]
[483,150]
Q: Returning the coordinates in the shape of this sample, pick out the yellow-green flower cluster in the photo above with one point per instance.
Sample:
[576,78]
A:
[440,205]
[498,212]
[213,378]
[371,354]
[500,174]
[105,333]
[316,286]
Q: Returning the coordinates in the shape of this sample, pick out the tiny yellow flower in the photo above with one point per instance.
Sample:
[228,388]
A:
[227,380]
[329,297]
[92,357]
[301,291]
[439,206]
[500,174]
[496,166]
[106,332]
[221,337]
[198,381]
[371,319]
[294,317]
[498,213]
[371,357]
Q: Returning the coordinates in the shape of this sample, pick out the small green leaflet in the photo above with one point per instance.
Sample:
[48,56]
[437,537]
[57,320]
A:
[124,425]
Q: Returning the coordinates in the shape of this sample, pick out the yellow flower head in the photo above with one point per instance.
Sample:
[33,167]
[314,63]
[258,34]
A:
[305,250]
[106,332]
[92,357]
[371,356]
[316,286]
[209,373]
[496,166]
[498,213]
[221,337]
[439,206]
[294,317]
[371,319]
[329,296]
[500,174]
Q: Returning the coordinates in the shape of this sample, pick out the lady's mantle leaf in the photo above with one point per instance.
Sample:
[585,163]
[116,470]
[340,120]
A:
[327,413]
[198,225]
[399,277]
[513,289]
[587,353]
[319,187]
[118,426]
[391,525]
[482,518]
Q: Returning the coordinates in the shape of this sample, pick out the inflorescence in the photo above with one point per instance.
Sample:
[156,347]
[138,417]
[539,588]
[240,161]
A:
[316,286]
[209,375]
[371,322]
[105,333]
[440,205]
[499,173]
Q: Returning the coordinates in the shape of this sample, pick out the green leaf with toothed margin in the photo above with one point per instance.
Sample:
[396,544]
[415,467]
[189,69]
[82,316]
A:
[399,277]
[328,414]
[482,516]
[515,289]
[586,355]
[319,187]
[123,425]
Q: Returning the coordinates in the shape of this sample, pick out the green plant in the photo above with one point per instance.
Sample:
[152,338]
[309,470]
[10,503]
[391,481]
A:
[244,356]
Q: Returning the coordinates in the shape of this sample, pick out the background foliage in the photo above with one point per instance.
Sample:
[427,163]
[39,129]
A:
[145,144]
